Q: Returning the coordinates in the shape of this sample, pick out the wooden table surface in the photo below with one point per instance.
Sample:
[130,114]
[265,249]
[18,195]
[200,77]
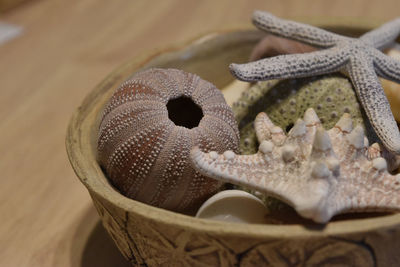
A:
[68,47]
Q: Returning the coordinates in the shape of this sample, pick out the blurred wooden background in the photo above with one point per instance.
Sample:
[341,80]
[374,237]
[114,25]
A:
[67,47]
[6,5]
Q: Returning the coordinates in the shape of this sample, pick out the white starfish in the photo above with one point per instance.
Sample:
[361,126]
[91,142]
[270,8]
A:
[319,173]
[359,57]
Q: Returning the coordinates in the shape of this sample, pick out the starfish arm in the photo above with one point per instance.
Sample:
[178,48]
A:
[384,35]
[387,67]
[294,30]
[291,66]
[377,191]
[363,184]
[229,167]
[250,171]
[373,99]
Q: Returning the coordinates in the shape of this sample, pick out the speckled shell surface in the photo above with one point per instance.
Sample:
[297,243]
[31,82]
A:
[143,152]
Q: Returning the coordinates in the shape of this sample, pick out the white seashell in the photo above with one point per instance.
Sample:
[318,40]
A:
[233,206]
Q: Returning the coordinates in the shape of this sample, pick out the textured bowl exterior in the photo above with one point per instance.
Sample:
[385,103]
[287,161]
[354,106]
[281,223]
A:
[146,155]
[160,242]
[156,237]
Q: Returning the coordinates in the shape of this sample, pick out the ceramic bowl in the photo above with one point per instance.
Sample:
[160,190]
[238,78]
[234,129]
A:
[147,235]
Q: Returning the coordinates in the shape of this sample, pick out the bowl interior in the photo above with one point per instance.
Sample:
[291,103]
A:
[208,57]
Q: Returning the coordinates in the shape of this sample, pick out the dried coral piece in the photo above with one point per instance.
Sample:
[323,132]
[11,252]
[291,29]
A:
[359,57]
[319,173]
[148,129]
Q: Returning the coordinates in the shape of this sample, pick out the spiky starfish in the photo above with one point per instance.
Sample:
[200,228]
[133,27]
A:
[359,57]
[319,173]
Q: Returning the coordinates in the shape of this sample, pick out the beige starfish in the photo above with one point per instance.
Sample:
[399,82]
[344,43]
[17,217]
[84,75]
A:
[359,57]
[320,173]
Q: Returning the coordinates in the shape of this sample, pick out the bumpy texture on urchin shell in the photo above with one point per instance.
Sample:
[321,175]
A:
[145,155]
[319,173]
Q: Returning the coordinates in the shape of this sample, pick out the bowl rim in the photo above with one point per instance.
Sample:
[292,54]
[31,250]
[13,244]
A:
[89,172]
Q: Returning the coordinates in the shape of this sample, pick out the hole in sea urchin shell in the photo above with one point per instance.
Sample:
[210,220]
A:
[184,112]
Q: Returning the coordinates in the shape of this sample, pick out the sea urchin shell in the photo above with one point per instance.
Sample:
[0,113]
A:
[147,131]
